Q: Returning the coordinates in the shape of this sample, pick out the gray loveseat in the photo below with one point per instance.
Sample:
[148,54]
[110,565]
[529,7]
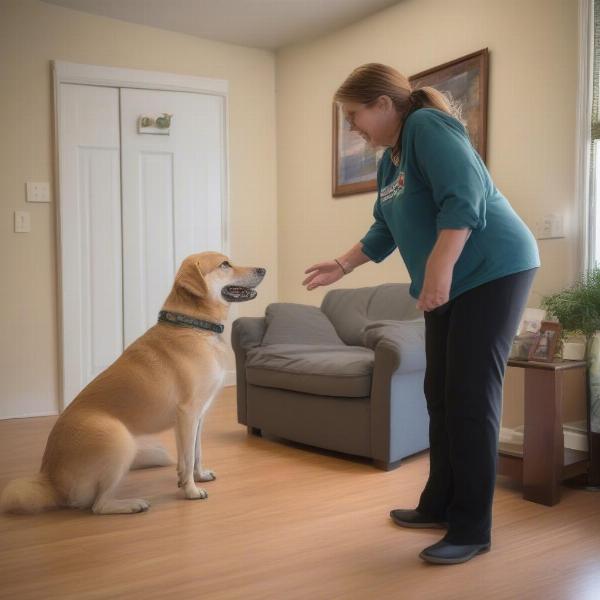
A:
[347,376]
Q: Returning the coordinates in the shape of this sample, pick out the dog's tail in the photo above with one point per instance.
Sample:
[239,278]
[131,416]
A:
[29,495]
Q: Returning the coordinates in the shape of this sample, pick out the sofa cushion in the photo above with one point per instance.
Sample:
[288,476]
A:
[326,370]
[350,310]
[289,323]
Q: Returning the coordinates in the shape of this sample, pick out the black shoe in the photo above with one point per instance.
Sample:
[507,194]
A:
[413,518]
[444,553]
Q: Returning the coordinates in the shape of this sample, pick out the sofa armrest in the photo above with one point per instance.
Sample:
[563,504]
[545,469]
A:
[401,343]
[246,333]
[399,364]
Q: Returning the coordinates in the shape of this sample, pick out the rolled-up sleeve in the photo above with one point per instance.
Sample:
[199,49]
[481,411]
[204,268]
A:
[378,243]
[449,165]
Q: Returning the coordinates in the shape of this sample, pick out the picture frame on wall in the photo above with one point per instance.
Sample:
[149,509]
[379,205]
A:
[354,169]
[465,80]
[354,161]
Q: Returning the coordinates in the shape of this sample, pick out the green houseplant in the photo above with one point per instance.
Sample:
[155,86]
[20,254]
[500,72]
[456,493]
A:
[577,308]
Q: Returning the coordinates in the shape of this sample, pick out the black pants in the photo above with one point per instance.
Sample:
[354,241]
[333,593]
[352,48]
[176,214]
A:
[467,344]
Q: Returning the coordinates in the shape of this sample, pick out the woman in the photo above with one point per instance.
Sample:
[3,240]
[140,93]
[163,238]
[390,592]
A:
[471,261]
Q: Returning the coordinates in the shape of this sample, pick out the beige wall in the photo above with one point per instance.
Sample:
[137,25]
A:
[531,134]
[283,216]
[31,35]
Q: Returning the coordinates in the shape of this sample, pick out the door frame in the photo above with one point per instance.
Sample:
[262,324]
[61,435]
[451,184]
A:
[97,75]
[584,189]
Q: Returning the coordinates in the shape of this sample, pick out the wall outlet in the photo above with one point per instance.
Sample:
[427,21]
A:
[549,227]
[22,222]
[38,192]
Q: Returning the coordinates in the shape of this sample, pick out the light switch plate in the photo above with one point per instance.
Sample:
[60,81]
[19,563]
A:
[38,191]
[549,227]
[22,222]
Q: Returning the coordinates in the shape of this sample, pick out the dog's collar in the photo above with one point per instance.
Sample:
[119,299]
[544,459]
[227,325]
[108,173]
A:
[185,321]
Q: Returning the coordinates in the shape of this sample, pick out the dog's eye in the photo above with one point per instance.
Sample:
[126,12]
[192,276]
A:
[225,265]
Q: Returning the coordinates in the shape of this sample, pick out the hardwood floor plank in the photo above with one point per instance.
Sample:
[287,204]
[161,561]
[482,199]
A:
[283,521]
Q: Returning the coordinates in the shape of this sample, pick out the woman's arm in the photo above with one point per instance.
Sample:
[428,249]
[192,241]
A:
[353,258]
[330,271]
[440,264]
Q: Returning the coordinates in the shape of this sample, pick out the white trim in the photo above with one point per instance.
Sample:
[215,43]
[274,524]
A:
[83,74]
[59,270]
[29,415]
[584,201]
[573,439]
[67,72]
[230,378]
[226,181]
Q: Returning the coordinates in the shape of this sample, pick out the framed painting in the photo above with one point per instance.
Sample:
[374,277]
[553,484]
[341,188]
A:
[466,81]
[354,161]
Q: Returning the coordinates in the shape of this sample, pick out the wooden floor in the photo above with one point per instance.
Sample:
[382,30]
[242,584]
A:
[283,521]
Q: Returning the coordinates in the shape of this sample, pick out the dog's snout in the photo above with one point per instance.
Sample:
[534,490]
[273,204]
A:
[260,271]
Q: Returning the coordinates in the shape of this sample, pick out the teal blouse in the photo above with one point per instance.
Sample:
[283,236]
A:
[442,183]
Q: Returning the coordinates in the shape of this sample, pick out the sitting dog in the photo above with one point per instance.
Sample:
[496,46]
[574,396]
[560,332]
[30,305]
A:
[166,378]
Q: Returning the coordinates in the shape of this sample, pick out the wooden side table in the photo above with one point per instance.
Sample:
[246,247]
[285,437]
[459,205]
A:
[543,461]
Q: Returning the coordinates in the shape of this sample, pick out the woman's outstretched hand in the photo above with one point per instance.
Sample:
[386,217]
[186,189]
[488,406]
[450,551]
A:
[323,273]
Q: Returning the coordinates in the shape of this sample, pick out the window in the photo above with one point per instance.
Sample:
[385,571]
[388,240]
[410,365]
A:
[589,110]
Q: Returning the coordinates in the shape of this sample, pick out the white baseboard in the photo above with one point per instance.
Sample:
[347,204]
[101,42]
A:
[27,416]
[573,439]
[230,378]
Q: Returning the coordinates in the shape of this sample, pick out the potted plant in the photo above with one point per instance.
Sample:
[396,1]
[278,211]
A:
[577,308]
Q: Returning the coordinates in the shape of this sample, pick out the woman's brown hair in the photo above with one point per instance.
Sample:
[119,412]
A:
[370,81]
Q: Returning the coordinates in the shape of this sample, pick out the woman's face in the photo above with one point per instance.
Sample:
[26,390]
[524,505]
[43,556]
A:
[377,123]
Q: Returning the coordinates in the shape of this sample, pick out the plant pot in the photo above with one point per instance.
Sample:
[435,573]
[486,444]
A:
[574,348]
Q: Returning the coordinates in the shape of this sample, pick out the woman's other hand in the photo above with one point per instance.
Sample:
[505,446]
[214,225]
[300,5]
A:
[440,265]
[436,287]
[323,273]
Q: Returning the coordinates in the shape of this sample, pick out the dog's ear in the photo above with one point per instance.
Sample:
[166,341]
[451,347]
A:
[192,280]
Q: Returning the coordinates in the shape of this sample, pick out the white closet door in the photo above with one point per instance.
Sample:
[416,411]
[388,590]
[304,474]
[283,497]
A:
[172,195]
[90,232]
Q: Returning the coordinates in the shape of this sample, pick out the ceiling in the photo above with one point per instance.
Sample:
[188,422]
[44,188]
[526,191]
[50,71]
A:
[268,24]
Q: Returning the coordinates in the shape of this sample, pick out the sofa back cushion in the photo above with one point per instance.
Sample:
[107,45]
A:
[351,310]
[289,323]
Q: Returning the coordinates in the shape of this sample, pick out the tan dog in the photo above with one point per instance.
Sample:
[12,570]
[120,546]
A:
[167,378]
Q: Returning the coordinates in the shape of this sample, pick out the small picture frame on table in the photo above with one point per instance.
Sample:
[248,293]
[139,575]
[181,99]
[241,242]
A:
[544,348]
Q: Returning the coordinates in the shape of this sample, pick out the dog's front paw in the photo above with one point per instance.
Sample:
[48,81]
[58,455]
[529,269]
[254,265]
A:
[114,507]
[194,493]
[204,476]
